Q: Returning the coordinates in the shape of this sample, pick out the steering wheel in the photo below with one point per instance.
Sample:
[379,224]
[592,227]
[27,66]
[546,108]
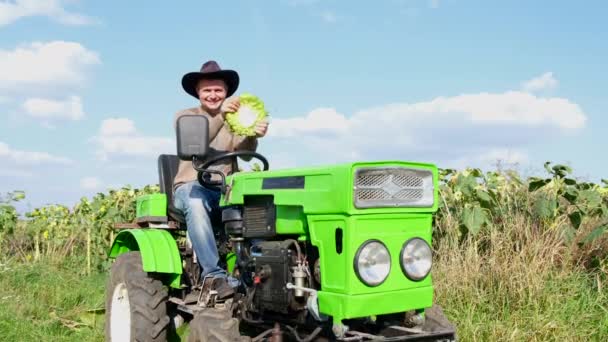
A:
[235,154]
[204,168]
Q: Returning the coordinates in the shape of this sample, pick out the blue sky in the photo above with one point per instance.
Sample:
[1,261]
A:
[88,89]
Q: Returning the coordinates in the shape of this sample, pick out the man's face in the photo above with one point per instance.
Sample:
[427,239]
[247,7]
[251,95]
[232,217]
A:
[212,94]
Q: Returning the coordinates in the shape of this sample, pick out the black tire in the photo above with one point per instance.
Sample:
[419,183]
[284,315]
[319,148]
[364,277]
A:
[147,299]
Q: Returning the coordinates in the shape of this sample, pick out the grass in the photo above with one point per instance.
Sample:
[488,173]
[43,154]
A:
[50,302]
[46,301]
[514,284]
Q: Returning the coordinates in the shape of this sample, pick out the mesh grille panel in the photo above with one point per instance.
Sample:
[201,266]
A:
[259,216]
[371,179]
[378,187]
[373,194]
[409,194]
[404,179]
[256,218]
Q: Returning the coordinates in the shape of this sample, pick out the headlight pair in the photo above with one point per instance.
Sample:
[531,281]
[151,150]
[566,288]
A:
[373,261]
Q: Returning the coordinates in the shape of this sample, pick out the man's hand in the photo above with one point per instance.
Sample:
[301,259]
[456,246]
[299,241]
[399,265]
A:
[261,128]
[231,105]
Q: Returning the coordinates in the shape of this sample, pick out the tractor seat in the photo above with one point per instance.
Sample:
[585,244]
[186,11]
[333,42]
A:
[167,169]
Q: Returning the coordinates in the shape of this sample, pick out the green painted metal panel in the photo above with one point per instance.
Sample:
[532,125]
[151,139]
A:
[158,250]
[230,262]
[290,220]
[334,266]
[341,306]
[337,269]
[151,205]
[327,190]
[339,281]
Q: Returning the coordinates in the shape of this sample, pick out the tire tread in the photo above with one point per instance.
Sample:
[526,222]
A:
[146,296]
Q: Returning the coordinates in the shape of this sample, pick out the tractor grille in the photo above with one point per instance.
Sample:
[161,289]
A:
[259,216]
[393,187]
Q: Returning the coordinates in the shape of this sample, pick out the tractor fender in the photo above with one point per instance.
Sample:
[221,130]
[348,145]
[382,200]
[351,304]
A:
[158,249]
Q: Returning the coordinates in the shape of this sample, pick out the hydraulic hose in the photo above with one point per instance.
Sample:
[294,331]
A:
[298,250]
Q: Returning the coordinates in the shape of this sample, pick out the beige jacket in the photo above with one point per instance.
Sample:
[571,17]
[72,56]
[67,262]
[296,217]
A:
[220,138]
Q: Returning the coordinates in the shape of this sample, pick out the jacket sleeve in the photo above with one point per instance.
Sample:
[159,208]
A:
[246,143]
[241,143]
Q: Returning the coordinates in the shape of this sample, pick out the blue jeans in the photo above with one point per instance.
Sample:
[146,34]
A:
[200,207]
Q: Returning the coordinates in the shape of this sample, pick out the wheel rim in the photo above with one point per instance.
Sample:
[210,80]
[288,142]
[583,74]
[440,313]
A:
[120,315]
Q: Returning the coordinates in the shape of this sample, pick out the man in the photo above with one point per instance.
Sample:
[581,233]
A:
[212,87]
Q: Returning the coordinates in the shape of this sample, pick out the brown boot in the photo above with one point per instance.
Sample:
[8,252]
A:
[224,290]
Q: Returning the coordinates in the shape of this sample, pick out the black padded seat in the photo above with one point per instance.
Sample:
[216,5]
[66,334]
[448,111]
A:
[167,169]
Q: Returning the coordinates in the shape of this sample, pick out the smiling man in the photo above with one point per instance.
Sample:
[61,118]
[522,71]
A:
[212,87]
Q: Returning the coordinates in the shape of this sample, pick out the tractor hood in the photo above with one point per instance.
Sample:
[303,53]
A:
[350,188]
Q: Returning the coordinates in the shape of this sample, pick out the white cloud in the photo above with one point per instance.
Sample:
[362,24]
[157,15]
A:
[90,183]
[119,137]
[491,158]
[434,4]
[69,109]
[17,174]
[117,127]
[11,11]
[318,121]
[512,107]
[483,110]
[545,81]
[53,63]
[480,128]
[17,157]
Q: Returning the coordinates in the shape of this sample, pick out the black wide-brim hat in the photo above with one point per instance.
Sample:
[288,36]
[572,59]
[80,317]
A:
[211,71]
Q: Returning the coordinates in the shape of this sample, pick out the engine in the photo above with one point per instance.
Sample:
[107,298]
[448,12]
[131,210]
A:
[274,270]
[275,265]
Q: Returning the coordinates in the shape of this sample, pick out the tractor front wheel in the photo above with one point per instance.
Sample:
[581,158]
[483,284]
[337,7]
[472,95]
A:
[136,303]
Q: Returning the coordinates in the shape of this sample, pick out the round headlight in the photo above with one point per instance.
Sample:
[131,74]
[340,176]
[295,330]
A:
[372,263]
[416,259]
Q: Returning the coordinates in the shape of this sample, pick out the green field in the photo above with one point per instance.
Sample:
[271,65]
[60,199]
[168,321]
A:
[50,302]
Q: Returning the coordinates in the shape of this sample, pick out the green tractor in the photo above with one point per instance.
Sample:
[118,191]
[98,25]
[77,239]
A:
[328,253]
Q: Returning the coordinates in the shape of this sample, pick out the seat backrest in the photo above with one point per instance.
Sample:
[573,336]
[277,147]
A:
[167,169]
